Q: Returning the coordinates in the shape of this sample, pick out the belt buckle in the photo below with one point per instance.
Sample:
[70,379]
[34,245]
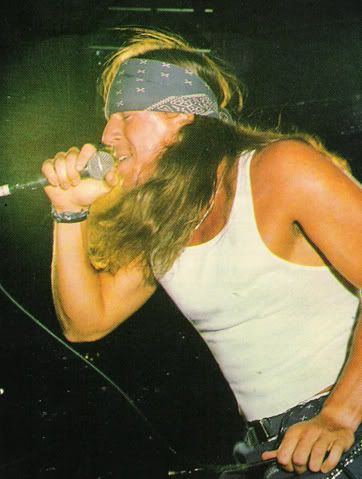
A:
[258,437]
[256,433]
[263,431]
[259,432]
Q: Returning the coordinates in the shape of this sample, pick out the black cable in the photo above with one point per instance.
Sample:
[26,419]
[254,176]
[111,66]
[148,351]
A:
[211,468]
[125,396]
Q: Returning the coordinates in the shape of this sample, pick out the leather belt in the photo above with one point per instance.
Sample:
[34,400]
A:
[263,430]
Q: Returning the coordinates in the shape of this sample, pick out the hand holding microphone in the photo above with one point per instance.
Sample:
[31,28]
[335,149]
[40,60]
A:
[63,174]
[65,171]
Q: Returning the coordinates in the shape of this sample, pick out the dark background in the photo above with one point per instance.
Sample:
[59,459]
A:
[300,61]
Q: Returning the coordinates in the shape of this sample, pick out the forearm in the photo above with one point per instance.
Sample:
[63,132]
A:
[75,284]
[344,404]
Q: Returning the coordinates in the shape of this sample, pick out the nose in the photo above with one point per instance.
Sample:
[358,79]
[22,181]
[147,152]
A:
[113,131]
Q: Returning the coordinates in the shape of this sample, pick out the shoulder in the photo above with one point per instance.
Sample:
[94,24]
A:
[305,187]
[283,156]
[293,166]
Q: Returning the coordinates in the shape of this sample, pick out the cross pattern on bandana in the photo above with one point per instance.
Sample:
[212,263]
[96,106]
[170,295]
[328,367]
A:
[153,85]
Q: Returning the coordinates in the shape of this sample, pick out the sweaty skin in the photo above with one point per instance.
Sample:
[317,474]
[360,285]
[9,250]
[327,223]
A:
[310,188]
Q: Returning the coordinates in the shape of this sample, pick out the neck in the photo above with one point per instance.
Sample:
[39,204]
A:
[218,211]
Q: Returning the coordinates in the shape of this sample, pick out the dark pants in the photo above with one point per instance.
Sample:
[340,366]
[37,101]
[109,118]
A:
[249,450]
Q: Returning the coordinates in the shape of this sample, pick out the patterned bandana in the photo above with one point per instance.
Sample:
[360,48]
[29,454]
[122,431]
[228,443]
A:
[142,84]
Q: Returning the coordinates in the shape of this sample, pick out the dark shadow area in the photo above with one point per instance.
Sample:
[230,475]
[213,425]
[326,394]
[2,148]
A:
[60,418]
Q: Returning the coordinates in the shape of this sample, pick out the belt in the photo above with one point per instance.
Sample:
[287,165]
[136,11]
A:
[263,430]
[264,434]
[266,429]
[261,435]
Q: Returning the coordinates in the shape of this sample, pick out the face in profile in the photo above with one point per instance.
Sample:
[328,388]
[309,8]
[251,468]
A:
[138,138]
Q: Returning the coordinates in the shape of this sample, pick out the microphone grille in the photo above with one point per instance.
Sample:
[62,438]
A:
[99,165]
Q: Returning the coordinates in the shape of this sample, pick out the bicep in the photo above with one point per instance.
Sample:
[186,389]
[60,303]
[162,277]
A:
[122,295]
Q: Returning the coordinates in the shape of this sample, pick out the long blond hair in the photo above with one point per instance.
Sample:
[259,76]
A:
[152,223]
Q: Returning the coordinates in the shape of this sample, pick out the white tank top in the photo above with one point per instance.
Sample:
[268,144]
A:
[279,331]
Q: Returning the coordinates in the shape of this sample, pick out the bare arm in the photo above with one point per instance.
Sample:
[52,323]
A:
[327,204]
[344,404]
[319,443]
[89,304]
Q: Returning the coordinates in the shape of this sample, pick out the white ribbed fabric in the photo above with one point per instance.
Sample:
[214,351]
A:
[279,331]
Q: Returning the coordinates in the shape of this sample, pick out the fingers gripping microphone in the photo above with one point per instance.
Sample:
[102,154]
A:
[97,167]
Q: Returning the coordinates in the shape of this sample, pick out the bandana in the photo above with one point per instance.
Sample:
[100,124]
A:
[142,84]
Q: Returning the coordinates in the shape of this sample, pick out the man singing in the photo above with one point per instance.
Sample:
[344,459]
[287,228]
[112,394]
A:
[255,235]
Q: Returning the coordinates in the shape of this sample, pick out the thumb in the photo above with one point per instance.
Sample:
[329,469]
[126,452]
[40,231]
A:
[112,178]
[267,455]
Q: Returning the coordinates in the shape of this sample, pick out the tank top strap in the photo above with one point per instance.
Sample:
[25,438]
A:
[242,213]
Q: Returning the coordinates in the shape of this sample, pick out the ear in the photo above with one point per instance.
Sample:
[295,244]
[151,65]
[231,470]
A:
[176,121]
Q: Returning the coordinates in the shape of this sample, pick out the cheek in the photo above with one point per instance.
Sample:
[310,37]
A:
[146,170]
[148,146]
[136,172]
[151,139]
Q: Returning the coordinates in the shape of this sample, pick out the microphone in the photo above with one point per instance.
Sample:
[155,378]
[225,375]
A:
[97,167]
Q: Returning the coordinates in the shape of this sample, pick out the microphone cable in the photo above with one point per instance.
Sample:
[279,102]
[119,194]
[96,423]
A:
[131,403]
[209,468]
